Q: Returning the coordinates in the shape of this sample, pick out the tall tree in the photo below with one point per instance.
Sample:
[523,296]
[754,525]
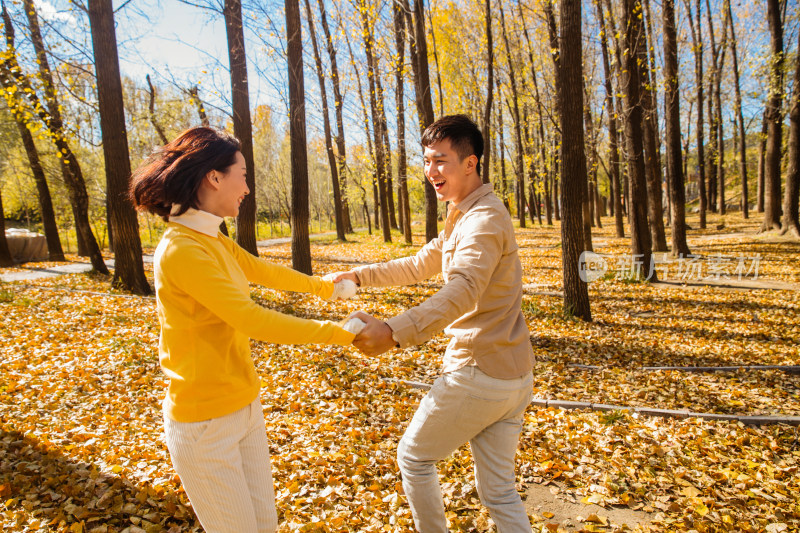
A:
[573,157]
[512,78]
[641,245]
[697,47]
[337,197]
[718,64]
[301,247]
[151,108]
[487,108]
[398,19]
[242,124]
[54,250]
[655,211]
[762,149]
[745,201]
[538,101]
[194,96]
[791,222]
[5,254]
[17,83]
[128,264]
[673,120]
[422,88]
[377,122]
[774,115]
[613,150]
[341,146]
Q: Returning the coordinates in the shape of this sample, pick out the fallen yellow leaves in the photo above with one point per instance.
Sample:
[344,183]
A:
[80,389]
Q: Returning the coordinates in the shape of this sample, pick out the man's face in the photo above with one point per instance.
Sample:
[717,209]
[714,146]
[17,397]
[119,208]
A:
[452,178]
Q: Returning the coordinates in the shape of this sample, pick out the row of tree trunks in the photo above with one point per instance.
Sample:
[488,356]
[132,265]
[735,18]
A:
[51,117]
[697,46]
[334,169]
[745,202]
[377,120]
[422,88]
[341,149]
[613,150]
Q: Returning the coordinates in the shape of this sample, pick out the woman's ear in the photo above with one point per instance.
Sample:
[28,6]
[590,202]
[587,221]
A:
[212,179]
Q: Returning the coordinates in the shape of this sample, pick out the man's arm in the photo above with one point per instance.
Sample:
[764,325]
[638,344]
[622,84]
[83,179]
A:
[426,263]
[478,252]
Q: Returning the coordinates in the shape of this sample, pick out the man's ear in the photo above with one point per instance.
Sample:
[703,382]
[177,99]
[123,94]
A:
[472,162]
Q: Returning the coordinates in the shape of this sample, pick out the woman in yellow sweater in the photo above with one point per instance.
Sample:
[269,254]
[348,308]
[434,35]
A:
[213,420]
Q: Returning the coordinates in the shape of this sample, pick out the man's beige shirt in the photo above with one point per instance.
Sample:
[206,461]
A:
[479,305]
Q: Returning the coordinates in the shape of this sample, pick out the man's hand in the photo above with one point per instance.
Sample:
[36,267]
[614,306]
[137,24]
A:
[375,338]
[339,276]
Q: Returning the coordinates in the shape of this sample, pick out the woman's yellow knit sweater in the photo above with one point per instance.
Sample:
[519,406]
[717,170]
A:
[207,317]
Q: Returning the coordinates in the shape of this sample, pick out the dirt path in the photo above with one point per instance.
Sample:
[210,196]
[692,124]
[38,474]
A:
[550,505]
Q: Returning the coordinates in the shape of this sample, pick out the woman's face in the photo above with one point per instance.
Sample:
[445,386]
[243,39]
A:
[232,188]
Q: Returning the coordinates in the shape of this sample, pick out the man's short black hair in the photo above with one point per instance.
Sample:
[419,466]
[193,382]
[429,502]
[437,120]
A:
[464,135]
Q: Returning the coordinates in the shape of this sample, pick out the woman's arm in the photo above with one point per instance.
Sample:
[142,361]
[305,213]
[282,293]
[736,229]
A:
[210,286]
[274,276]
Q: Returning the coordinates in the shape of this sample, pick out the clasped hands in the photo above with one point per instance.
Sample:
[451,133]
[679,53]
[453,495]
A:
[376,337]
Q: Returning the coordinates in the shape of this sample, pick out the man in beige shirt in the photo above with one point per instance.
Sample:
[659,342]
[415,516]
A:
[486,380]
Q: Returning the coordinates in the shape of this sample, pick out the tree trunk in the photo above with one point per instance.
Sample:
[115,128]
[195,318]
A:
[51,117]
[377,122]
[517,125]
[128,264]
[613,150]
[655,210]
[402,162]
[573,157]
[697,41]
[718,62]
[673,123]
[791,222]
[538,101]
[152,112]
[242,125]
[194,96]
[436,62]
[387,149]
[422,86]
[54,250]
[762,149]
[487,109]
[341,153]
[591,165]
[641,245]
[337,196]
[772,162]
[301,247]
[5,254]
[739,116]
[502,149]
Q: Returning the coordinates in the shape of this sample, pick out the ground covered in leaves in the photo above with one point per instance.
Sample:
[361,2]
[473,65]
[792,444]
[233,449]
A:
[81,447]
